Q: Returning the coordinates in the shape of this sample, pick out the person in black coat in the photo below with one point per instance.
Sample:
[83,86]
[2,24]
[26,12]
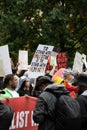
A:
[44,112]
[81,83]
[6,115]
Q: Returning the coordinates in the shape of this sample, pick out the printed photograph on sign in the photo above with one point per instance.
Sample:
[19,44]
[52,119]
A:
[23,60]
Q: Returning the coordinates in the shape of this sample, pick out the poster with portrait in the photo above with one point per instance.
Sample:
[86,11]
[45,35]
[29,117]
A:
[23,60]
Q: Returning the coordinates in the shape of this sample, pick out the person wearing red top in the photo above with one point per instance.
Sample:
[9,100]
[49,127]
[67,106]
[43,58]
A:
[68,77]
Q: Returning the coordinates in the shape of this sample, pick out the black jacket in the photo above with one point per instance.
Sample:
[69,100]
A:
[6,115]
[82,99]
[46,106]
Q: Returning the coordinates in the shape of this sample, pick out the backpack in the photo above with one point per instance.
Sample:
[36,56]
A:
[67,113]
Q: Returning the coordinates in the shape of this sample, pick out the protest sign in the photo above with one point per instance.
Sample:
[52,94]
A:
[23,60]
[23,111]
[53,61]
[84,60]
[4,56]
[53,56]
[62,60]
[78,63]
[39,61]
[2,73]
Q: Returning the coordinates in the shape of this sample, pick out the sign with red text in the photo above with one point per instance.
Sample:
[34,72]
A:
[39,61]
[23,112]
[62,60]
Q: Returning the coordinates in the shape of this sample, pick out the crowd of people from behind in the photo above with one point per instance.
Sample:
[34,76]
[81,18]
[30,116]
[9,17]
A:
[20,84]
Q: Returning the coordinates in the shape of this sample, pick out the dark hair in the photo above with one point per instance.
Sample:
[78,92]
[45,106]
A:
[21,89]
[47,74]
[43,80]
[81,80]
[7,78]
[37,79]
[6,115]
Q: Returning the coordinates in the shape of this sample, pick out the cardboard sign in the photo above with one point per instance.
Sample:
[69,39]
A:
[23,111]
[4,56]
[23,60]
[62,60]
[53,61]
[84,60]
[78,63]
[53,55]
[39,61]
[2,72]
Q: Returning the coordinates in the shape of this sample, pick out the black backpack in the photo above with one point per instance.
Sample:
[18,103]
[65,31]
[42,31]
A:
[67,113]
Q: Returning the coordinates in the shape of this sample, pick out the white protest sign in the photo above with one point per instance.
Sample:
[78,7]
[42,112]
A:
[39,61]
[78,64]
[4,56]
[53,61]
[84,60]
[23,60]
[2,72]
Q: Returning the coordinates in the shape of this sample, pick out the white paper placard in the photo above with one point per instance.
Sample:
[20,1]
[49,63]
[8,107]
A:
[39,61]
[4,56]
[78,64]
[23,60]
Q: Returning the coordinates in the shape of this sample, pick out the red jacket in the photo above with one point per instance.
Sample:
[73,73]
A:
[72,89]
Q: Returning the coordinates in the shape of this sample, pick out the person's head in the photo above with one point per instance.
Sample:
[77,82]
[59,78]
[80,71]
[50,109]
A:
[10,81]
[47,74]
[81,82]
[25,86]
[6,116]
[41,83]
[68,75]
[24,82]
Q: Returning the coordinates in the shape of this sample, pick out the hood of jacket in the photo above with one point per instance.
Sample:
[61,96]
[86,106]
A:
[58,89]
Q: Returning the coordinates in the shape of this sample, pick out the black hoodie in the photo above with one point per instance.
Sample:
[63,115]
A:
[46,106]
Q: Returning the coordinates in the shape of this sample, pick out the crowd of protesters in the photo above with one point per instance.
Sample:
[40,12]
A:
[20,84]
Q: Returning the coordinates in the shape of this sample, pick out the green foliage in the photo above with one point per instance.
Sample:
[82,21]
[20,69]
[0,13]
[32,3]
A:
[26,23]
